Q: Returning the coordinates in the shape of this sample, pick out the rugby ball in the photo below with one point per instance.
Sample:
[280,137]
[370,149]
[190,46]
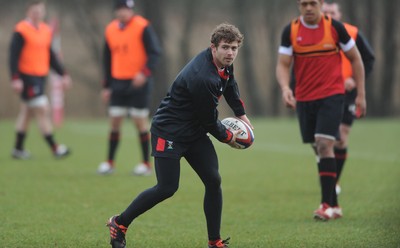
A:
[246,137]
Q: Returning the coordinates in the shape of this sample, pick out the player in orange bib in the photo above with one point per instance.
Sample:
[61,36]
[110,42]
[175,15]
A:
[350,112]
[131,53]
[31,57]
[312,42]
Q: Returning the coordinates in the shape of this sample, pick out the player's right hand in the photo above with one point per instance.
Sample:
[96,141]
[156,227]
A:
[288,98]
[349,84]
[17,85]
[66,82]
[139,80]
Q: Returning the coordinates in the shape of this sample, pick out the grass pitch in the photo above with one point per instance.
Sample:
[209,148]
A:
[270,191]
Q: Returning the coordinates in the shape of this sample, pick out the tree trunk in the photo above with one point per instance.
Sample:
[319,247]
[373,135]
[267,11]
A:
[191,8]
[276,96]
[254,101]
[390,57]
[154,11]
[370,85]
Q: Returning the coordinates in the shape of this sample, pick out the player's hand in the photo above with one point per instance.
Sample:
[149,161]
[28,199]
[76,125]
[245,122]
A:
[17,85]
[245,119]
[288,98]
[349,84]
[361,106]
[139,80]
[105,95]
[232,143]
[66,82]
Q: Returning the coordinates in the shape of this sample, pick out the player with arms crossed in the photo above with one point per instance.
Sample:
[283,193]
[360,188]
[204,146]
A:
[312,43]
[349,114]
[179,129]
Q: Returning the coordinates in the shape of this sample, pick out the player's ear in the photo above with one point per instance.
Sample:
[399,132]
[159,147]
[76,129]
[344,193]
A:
[213,47]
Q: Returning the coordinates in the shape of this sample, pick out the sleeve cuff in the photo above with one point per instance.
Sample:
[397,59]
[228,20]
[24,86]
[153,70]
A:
[229,136]
[106,84]
[15,76]
[146,71]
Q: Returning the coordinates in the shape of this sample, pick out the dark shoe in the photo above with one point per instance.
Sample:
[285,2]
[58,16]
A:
[220,243]
[117,233]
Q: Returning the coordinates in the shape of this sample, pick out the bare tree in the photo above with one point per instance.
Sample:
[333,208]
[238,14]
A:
[255,103]
[190,10]
[155,11]
[90,31]
[389,48]
[273,15]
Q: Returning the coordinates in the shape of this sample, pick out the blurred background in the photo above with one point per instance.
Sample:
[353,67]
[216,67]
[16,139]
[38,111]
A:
[184,28]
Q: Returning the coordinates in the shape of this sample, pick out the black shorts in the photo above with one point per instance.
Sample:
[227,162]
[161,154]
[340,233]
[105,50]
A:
[349,113]
[123,94]
[33,86]
[321,117]
[170,149]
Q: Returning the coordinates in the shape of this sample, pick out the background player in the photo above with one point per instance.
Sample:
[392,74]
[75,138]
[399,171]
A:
[314,41]
[349,114]
[131,53]
[30,59]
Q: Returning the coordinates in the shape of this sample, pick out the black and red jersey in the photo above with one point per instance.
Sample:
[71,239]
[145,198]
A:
[317,62]
[189,109]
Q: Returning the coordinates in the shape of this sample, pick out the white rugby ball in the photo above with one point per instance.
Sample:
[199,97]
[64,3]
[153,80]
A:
[246,137]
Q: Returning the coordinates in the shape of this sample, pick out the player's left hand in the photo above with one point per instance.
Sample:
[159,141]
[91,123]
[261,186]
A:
[105,95]
[139,80]
[233,143]
[361,106]
[245,119]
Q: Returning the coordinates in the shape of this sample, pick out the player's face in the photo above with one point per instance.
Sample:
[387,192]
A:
[332,10]
[37,12]
[124,14]
[225,53]
[310,10]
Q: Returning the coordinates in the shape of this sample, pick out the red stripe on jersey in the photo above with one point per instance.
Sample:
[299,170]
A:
[242,103]
[229,136]
[160,145]
[223,74]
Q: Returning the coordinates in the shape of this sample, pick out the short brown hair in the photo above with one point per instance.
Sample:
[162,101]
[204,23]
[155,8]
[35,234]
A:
[226,32]
[33,3]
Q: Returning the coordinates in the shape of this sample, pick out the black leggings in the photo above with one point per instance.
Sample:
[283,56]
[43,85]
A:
[203,159]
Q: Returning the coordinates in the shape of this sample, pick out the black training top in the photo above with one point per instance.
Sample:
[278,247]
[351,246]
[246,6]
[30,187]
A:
[189,109]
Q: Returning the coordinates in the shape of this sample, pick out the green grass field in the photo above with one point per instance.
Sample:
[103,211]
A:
[270,192]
